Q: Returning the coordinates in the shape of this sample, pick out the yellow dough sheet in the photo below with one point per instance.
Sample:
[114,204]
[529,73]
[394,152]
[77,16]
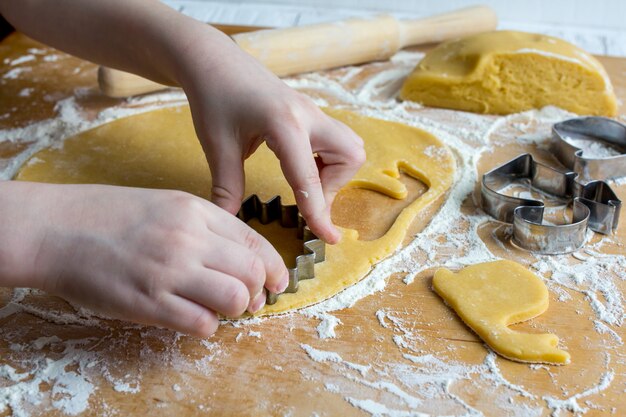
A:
[159,149]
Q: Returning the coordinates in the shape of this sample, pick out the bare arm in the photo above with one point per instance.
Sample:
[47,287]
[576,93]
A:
[141,36]
[179,274]
[235,101]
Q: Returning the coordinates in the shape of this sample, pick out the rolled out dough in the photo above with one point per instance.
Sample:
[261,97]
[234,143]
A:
[159,149]
[506,72]
[491,296]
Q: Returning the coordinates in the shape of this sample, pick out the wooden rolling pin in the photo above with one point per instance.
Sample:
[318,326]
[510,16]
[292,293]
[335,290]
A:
[328,45]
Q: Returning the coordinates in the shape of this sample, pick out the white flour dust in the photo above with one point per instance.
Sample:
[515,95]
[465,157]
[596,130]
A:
[593,148]
[326,328]
[414,378]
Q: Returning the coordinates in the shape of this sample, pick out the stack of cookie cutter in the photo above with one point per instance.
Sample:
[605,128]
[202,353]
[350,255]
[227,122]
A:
[288,216]
[605,130]
[594,204]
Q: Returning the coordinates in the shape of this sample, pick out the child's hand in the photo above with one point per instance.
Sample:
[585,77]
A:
[165,257]
[157,257]
[237,104]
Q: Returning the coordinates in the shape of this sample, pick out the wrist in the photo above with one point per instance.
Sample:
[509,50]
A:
[205,55]
[194,50]
[19,234]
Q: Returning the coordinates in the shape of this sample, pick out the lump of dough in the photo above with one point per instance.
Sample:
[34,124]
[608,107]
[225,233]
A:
[490,296]
[506,72]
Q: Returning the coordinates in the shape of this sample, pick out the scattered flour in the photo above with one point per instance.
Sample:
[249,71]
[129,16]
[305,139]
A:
[14,73]
[326,328]
[25,92]
[377,409]
[70,390]
[435,152]
[380,315]
[37,51]
[22,59]
[570,404]
[417,377]
[325,356]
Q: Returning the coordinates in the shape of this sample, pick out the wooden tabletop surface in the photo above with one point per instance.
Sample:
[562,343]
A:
[396,352]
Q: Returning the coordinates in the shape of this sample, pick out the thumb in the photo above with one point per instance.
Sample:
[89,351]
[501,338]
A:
[228,178]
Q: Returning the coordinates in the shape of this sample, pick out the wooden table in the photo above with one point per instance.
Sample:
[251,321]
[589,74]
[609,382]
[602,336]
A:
[399,349]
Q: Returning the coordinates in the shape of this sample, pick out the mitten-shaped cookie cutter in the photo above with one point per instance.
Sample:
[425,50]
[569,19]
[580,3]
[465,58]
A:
[288,216]
[595,205]
[594,129]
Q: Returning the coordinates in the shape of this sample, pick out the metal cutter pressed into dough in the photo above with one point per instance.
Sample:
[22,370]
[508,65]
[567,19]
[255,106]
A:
[594,204]
[288,216]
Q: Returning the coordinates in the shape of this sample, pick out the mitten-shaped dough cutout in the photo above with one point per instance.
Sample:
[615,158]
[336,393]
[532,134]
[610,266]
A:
[491,296]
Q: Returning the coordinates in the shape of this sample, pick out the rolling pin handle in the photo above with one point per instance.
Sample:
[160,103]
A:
[447,26]
[328,45]
[120,84]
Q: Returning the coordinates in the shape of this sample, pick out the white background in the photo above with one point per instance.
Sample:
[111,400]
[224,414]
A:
[598,26]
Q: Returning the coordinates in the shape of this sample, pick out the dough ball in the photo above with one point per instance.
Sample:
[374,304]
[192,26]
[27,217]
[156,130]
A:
[506,72]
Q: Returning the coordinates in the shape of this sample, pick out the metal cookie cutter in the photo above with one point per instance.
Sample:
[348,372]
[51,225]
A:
[314,249]
[595,205]
[596,129]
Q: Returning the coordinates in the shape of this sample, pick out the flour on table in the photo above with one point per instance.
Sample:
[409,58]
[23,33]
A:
[21,60]
[15,73]
[325,356]
[25,92]
[326,328]
[37,51]
[51,58]
[410,377]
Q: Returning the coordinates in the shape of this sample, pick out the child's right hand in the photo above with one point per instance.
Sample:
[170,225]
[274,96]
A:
[237,104]
[159,257]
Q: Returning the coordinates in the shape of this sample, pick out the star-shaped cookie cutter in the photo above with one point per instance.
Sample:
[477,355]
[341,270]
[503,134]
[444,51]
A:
[594,205]
[314,249]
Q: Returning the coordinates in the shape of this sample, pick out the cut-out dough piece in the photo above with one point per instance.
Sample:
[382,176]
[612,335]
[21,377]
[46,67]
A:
[491,296]
[159,149]
[506,72]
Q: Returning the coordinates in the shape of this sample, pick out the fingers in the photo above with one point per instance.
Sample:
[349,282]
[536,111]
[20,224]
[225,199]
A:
[276,276]
[226,164]
[215,290]
[292,147]
[341,152]
[238,261]
[258,302]
[181,314]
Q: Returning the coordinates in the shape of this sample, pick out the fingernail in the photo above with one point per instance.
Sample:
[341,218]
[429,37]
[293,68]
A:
[284,283]
[334,235]
[257,303]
